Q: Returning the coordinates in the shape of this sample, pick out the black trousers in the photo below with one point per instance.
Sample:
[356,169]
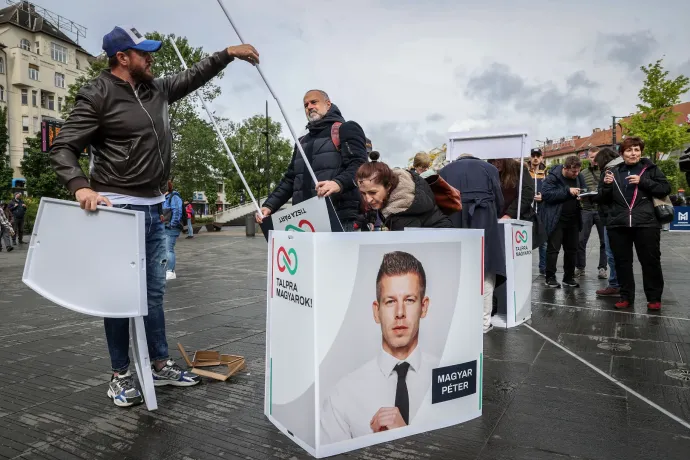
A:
[567,235]
[590,218]
[18,229]
[647,242]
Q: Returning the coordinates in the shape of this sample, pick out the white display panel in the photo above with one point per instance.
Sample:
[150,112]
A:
[330,333]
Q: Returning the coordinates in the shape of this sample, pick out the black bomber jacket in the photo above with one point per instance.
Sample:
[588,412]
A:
[128,129]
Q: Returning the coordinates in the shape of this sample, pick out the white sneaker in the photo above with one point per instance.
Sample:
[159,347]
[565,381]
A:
[170,275]
[488,329]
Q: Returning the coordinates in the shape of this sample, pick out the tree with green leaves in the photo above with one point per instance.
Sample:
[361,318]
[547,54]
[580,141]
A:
[97,65]
[201,163]
[40,176]
[655,122]
[6,171]
[247,142]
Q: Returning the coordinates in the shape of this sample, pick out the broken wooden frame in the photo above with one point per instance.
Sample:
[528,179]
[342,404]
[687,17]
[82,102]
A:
[232,364]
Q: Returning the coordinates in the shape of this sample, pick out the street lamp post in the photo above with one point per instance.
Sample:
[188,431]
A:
[613,130]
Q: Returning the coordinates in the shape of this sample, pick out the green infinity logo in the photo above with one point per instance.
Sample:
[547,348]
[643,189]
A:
[521,237]
[286,262]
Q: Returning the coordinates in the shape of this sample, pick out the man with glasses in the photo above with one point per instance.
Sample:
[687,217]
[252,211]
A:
[123,114]
[560,213]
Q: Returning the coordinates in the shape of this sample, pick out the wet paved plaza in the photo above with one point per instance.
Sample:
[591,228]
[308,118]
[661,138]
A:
[539,402]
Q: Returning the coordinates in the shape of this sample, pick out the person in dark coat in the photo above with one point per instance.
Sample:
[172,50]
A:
[334,169]
[560,211]
[18,210]
[629,190]
[482,203]
[402,198]
[607,158]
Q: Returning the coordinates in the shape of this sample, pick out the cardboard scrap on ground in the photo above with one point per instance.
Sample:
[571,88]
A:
[228,365]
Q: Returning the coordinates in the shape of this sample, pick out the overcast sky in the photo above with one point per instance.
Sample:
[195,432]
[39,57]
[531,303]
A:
[407,70]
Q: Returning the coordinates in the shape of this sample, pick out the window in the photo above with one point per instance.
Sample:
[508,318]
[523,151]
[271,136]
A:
[58,52]
[25,44]
[38,49]
[2,65]
[78,64]
[60,80]
[220,188]
[25,124]
[26,153]
[59,104]
[51,103]
[34,95]
[36,126]
[2,93]
[25,97]
[33,72]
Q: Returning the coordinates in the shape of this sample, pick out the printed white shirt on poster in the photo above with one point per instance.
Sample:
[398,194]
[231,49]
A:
[350,406]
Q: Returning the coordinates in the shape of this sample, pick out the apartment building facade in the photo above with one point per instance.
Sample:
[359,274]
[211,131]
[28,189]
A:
[38,62]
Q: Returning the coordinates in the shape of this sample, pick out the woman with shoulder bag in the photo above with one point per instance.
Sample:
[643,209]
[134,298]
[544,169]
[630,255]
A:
[629,189]
[401,197]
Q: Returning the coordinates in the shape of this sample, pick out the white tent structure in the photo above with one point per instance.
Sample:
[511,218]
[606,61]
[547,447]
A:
[489,144]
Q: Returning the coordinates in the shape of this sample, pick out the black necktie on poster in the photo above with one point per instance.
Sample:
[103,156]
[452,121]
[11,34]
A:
[402,399]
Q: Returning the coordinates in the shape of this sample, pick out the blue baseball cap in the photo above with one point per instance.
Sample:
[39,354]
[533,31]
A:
[128,38]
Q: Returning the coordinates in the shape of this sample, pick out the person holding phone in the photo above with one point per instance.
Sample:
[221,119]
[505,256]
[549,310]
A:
[629,190]
[560,212]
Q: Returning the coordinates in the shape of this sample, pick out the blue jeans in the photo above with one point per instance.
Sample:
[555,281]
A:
[171,234]
[542,258]
[190,230]
[613,279]
[117,329]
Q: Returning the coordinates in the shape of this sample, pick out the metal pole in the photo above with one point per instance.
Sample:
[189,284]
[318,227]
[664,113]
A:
[522,168]
[280,106]
[268,160]
[219,133]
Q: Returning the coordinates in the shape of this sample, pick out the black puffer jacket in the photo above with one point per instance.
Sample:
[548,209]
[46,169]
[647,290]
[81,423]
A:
[604,207]
[411,204]
[328,164]
[653,184]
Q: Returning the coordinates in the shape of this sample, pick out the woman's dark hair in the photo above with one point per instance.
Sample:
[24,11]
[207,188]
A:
[377,172]
[604,157]
[509,172]
[629,142]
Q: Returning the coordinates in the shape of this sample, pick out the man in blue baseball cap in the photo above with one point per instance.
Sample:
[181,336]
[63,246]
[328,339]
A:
[123,115]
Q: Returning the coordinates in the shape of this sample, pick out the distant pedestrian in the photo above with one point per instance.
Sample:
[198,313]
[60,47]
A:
[173,213]
[18,209]
[6,229]
[189,211]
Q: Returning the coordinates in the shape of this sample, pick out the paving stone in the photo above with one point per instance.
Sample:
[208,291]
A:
[538,401]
